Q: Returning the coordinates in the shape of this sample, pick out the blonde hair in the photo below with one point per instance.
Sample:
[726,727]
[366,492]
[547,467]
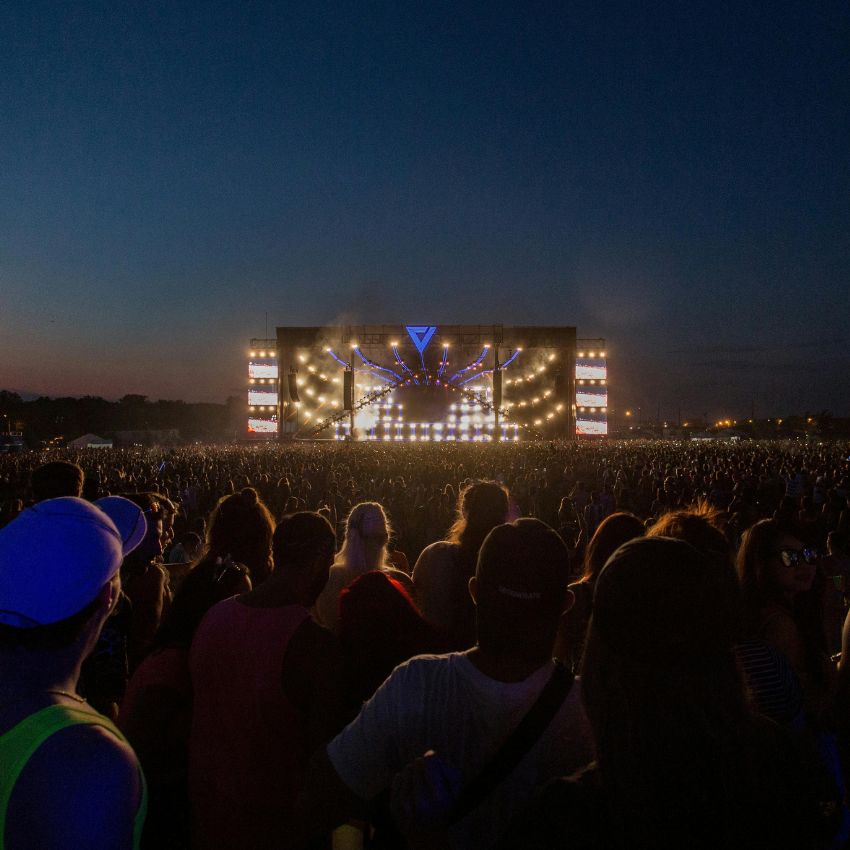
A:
[366,522]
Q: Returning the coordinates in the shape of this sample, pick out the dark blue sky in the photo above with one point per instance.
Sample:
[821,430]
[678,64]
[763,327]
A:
[672,176]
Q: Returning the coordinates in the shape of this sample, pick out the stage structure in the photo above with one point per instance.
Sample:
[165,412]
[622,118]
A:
[425,383]
[263,389]
[591,388]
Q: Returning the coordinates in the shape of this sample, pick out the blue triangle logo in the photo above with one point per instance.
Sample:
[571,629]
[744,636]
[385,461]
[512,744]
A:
[421,335]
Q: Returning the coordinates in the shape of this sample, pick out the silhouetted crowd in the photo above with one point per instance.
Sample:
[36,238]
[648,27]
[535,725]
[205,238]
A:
[513,646]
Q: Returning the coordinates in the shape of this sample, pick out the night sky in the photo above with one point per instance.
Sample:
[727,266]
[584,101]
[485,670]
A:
[674,177]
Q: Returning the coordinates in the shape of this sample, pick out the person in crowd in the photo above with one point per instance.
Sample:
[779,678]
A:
[444,717]
[610,534]
[105,671]
[186,549]
[364,548]
[55,479]
[772,682]
[156,710]
[442,572]
[69,778]
[268,688]
[681,759]
[782,599]
[379,628]
[145,581]
[240,527]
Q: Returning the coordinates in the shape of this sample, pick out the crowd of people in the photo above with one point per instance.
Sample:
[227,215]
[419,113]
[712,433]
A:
[357,645]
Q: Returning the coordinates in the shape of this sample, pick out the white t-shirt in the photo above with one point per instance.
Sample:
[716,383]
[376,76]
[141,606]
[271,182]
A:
[444,703]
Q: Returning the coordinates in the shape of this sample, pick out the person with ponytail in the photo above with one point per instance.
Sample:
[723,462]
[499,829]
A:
[443,570]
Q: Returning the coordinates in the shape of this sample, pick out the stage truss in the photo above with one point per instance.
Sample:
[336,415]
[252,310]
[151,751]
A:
[417,383]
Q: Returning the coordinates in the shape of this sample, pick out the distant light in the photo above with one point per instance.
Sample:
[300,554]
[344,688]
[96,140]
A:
[252,353]
[394,343]
[354,345]
[591,354]
[581,354]
[602,354]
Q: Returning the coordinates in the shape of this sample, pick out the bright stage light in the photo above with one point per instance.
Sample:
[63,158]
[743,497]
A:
[581,354]
[252,353]
[551,357]
[591,354]
[602,354]
[394,343]
[354,346]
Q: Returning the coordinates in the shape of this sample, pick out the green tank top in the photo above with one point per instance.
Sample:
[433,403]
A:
[21,741]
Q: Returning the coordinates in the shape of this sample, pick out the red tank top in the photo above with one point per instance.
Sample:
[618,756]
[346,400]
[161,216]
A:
[248,743]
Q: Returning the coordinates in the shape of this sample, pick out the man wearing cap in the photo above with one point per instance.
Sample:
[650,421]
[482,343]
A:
[459,708]
[69,779]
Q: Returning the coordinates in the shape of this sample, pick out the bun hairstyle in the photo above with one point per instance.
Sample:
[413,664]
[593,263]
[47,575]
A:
[241,526]
[250,496]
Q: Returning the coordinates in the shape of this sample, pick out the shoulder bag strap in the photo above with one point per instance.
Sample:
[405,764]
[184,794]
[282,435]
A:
[517,744]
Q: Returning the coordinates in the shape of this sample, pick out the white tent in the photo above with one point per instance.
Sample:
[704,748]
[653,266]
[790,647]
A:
[90,441]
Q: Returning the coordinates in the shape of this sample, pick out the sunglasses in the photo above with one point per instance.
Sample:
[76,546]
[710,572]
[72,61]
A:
[792,557]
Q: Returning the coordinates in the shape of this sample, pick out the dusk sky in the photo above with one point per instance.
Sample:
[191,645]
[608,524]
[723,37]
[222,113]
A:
[672,176]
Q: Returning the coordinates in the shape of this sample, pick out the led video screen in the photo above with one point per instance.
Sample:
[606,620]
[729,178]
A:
[264,369]
[585,398]
[591,426]
[262,397]
[585,370]
[262,426]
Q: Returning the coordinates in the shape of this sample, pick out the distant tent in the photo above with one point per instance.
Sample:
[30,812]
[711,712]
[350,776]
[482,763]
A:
[90,441]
